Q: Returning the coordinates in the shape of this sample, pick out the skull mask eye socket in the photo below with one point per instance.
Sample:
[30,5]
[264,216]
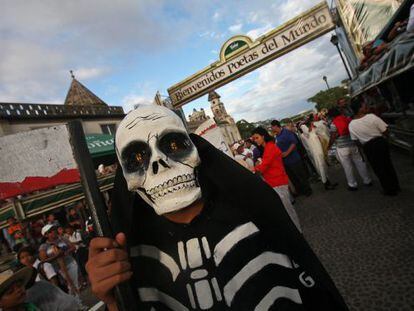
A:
[136,157]
[175,145]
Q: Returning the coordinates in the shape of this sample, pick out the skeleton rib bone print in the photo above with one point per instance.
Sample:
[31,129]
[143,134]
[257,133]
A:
[278,292]
[230,240]
[249,270]
[154,253]
[203,289]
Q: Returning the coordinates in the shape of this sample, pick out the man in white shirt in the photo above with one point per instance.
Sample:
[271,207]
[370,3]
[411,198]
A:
[370,130]
[347,151]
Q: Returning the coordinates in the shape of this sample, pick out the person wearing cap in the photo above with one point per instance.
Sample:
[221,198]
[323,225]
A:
[13,290]
[18,291]
[58,251]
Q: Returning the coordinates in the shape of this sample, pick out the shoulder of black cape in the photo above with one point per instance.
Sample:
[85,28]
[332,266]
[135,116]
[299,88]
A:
[249,192]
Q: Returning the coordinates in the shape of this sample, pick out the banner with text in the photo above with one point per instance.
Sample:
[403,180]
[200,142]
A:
[240,55]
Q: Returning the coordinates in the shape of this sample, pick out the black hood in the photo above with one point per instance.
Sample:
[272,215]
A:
[219,175]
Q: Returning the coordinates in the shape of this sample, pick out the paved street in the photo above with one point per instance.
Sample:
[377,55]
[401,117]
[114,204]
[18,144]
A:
[365,240]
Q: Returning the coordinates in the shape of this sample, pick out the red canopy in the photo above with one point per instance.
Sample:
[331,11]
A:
[34,183]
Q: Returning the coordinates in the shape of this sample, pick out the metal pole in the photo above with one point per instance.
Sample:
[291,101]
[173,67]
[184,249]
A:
[125,298]
[343,61]
[324,78]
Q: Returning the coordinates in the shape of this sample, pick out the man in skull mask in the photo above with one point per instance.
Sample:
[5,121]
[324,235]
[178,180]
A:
[216,246]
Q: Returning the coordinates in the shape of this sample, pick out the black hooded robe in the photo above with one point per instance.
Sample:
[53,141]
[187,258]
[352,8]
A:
[241,253]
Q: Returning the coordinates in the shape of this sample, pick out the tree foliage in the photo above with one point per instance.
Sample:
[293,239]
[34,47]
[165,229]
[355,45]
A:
[245,128]
[328,98]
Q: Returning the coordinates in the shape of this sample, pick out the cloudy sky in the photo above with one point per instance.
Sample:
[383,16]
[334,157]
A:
[126,50]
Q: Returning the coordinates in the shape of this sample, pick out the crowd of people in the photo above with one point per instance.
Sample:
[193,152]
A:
[288,157]
[57,253]
[51,250]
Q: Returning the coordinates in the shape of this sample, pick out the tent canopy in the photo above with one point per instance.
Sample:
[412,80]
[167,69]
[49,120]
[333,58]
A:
[397,60]
[100,145]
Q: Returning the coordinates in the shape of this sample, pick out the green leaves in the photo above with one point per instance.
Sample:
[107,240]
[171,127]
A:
[328,98]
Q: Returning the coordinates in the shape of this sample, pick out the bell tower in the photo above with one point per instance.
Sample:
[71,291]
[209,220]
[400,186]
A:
[217,107]
[226,123]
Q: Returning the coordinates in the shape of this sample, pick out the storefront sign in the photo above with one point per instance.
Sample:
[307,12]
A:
[240,55]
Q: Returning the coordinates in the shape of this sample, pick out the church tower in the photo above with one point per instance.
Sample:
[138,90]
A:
[217,107]
[223,119]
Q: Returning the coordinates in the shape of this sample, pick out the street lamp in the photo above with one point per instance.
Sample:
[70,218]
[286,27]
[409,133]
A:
[334,41]
[326,81]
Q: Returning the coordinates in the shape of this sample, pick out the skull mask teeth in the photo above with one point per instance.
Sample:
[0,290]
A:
[158,158]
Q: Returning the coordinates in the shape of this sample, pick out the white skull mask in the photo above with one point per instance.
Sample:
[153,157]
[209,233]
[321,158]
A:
[158,158]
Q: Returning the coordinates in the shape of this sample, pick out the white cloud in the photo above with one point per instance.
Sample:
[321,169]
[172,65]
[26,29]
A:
[89,73]
[253,17]
[41,41]
[216,16]
[141,93]
[292,8]
[24,67]
[129,101]
[236,28]
[204,34]
[257,32]
[212,34]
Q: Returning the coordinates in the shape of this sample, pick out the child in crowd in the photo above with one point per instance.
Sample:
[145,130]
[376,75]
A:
[27,257]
